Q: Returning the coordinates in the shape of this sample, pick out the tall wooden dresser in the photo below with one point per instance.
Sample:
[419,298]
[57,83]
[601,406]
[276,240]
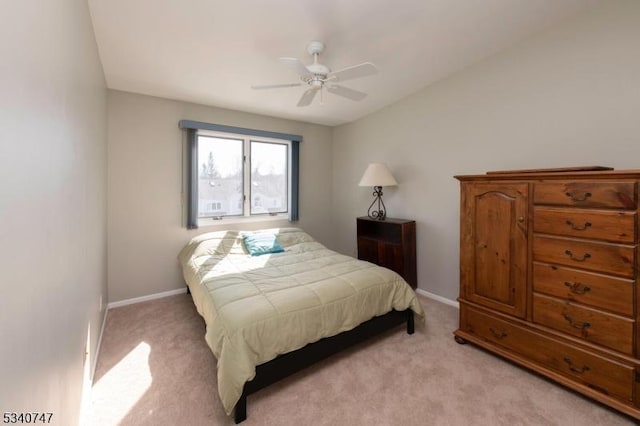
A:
[548,276]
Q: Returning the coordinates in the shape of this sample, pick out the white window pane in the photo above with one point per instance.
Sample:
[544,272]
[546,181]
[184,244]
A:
[268,177]
[220,177]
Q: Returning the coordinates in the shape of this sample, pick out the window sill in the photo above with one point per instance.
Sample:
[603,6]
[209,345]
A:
[235,220]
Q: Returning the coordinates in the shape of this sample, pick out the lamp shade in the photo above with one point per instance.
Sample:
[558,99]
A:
[377,174]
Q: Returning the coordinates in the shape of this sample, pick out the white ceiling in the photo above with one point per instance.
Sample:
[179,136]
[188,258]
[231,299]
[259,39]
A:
[211,51]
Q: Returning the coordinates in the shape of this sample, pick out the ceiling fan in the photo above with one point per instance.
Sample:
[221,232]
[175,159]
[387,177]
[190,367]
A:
[317,76]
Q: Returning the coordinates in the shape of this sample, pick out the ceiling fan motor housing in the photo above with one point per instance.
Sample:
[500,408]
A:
[315,48]
[318,69]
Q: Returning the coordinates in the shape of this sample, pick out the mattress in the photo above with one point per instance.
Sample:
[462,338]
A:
[258,307]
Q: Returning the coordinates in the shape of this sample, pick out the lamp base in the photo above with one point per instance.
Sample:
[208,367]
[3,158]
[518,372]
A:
[380,212]
[377,215]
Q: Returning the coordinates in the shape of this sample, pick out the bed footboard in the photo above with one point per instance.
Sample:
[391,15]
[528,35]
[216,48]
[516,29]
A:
[292,362]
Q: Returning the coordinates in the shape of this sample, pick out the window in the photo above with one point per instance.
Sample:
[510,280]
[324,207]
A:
[240,173]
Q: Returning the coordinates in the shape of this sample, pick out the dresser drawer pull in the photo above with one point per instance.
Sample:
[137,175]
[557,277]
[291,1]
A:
[578,228]
[497,334]
[577,288]
[577,259]
[582,326]
[575,369]
[575,198]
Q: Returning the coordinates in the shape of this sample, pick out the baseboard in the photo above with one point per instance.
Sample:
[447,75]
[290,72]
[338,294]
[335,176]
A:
[126,302]
[97,352]
[146,298]
[87,388]
[438,298]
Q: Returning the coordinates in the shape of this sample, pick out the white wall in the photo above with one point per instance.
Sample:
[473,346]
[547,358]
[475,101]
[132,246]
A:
[145,215]
[566,97]
[52,205]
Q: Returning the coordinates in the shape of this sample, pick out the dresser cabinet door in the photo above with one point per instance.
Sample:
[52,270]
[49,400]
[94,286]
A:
[494,245]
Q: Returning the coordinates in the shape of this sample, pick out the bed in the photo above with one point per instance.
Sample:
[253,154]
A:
[272,313]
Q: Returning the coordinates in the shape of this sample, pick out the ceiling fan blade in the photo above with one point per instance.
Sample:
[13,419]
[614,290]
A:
[295,65]
[275,86]
[345,92]
[307,97]
[355,71]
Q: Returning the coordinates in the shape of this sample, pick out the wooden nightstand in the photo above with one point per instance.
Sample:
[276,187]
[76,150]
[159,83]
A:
[390,243]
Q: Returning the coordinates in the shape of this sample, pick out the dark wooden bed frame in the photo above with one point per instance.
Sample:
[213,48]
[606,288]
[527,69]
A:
[292,362]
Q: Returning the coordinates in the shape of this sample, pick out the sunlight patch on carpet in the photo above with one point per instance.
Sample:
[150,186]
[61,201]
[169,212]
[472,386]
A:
[120,389]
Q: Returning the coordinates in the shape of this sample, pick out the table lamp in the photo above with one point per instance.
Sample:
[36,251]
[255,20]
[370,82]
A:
[377,175]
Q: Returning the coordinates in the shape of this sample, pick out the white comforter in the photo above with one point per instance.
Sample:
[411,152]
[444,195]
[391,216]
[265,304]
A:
[258,307]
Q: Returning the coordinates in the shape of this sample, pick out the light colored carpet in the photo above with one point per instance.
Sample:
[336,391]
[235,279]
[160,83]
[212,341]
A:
[156,369]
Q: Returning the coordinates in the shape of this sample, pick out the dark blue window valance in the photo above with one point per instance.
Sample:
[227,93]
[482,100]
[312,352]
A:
[192,128]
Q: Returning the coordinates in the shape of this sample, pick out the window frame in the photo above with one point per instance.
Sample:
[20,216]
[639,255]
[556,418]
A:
[249,169]
[192,171]
[247,188]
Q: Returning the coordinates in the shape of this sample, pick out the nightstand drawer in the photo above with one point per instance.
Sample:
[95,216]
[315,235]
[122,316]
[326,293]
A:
[601,291]
[595,326]
[620,195]
[616,226]
[607,376]
[610,258]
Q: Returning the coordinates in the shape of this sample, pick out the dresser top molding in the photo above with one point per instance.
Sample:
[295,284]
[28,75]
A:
[591,172]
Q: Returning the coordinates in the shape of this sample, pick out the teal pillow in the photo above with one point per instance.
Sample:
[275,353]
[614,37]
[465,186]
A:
[258,244]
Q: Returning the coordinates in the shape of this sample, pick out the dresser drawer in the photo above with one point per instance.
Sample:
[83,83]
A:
[595,326]
[597,290]
[609,258]
[619,195]
[617,226]
[607,376]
